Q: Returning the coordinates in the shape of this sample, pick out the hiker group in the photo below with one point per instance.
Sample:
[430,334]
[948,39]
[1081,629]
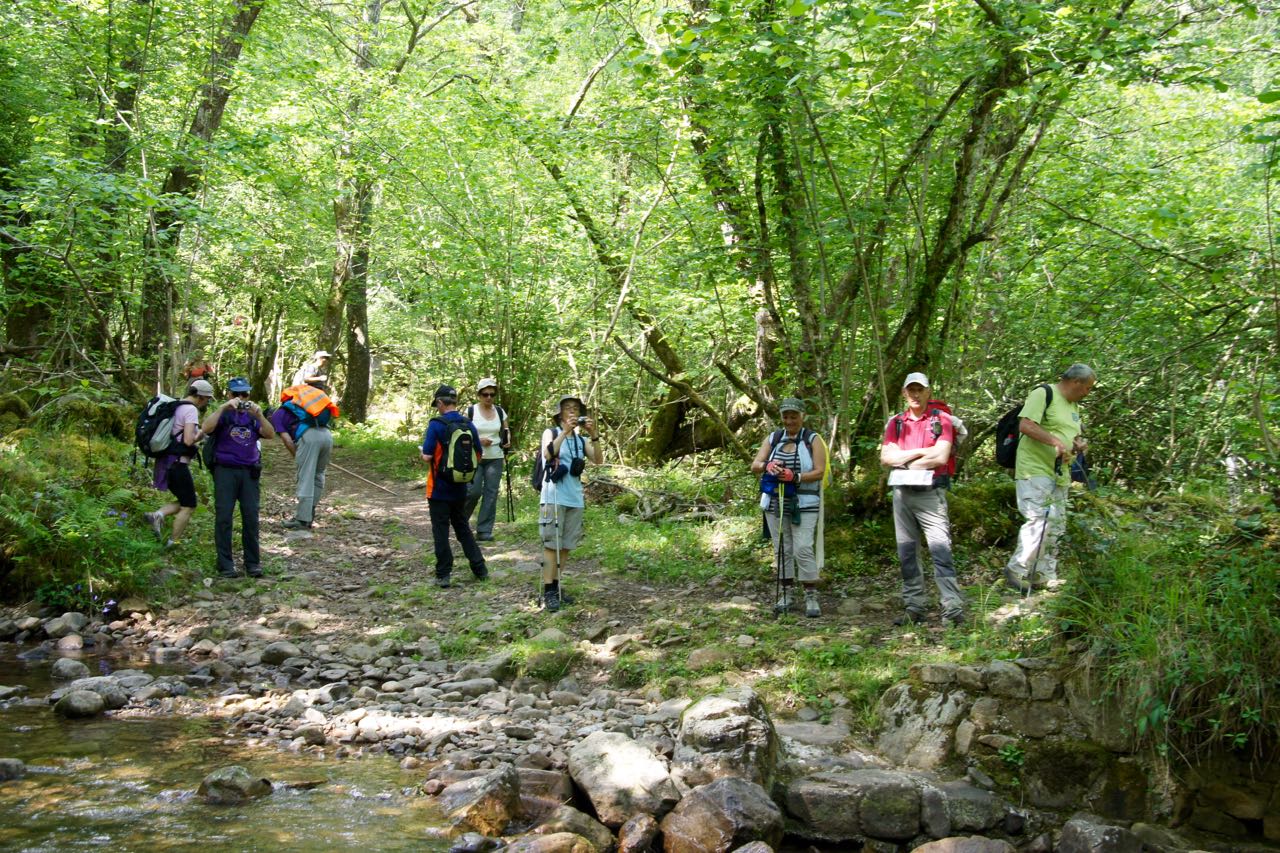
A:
[466,458]
[228,442]
[917,447]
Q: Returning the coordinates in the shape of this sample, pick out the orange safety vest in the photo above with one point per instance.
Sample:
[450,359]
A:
[310,399]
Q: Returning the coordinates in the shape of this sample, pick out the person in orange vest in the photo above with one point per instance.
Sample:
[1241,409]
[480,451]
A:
[302,422]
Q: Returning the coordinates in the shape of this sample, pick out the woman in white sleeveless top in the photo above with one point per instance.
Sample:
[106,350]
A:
[491,423]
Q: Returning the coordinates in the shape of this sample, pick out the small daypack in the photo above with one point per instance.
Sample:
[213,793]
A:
[1009,432]
[458,462]
[934,408]
[241,451]
[153,434]
[538,475]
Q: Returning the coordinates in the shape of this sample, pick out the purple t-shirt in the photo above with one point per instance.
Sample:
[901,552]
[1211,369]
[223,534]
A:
[236,439]
[284,421]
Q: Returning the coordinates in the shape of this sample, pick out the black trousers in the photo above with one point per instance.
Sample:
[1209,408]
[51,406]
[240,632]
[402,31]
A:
[452,513]
[232,486]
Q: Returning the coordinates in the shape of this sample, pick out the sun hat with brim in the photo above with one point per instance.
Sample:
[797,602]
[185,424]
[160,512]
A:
[582,407]
[201,388]
[445,392]
[917,378]
[791,404]
[322,354]
[239,385]
[487,382]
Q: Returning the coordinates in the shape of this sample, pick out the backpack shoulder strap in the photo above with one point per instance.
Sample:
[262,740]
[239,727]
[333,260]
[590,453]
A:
[1048,399]
[502,415]
[471,412]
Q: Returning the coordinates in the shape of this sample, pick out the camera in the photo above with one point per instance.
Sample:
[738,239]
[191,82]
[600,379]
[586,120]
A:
[582,420]
[242,404]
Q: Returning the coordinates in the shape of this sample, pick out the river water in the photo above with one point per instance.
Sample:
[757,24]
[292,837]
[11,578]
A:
[129,784]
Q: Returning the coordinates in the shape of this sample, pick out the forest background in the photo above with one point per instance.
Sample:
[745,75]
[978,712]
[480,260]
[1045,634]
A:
[684,213]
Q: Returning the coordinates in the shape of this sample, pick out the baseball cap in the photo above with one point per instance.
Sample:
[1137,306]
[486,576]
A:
[445,392]
[487,382]
[919,378]
[322,354]
[202,388]
[239,385]
[791,404]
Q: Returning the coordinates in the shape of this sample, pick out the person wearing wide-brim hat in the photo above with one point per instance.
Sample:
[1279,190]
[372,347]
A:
[490,421]
[566,447]
[793,462]
[315,370]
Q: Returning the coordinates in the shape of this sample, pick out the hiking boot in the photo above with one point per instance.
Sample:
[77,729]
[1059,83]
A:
[227,575]
[910,617]
[784,602]
[156,521]
[811,608]
[443,582]
[484,537]
[296,524]
[551,599]
[481,575]
[254,572]
[952,620]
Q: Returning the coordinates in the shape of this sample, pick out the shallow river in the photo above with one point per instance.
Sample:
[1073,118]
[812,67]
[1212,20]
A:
[130,785]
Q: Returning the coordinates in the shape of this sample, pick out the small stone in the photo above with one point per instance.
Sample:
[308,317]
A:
[807,715]
[745,641]
[11,768]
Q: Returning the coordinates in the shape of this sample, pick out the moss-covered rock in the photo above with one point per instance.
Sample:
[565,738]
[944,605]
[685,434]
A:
[79,414]
[984,512]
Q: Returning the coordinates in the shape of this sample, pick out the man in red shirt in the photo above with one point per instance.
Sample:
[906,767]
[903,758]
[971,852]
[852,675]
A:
[917,444]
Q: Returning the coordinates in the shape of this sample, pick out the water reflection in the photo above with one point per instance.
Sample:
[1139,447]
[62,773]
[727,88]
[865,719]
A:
[130,783]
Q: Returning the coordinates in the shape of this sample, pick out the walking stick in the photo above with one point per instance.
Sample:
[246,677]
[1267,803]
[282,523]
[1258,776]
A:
[358,477]
[511,510]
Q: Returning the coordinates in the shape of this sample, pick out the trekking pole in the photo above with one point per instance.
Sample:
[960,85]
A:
[358,477]
[511,510]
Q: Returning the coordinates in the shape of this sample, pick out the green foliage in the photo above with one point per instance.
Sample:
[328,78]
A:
[70,521]
[388,452]
[1181,619]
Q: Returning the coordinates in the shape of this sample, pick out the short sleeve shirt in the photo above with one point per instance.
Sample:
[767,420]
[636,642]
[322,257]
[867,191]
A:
[567,492]
[1061,419]
[917,432]
[185,414]
[284,422]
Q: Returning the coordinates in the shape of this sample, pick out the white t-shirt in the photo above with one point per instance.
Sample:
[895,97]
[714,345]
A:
[490,429]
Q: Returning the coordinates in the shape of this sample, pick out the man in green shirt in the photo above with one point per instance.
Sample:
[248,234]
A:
[1050,437]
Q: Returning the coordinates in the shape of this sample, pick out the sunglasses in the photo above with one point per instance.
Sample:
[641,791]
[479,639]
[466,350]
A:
[488,394]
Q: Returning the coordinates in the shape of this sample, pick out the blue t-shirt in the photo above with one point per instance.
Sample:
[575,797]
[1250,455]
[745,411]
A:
[434,444]
[567,492]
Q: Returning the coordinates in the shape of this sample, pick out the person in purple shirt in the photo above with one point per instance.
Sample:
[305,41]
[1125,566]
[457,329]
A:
[235,428]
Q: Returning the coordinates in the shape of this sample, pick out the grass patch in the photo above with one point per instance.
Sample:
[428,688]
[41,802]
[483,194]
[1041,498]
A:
[390,455]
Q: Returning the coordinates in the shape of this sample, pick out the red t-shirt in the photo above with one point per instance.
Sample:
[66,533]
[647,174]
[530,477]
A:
[918,432]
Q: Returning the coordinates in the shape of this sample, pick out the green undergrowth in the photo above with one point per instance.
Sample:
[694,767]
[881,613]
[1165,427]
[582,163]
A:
[71,529]
[1179,603]
[381,451]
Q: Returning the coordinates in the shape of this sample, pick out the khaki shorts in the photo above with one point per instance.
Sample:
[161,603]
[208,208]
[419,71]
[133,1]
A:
[570,523]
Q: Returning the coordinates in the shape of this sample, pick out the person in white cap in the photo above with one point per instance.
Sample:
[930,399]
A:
[173,472]
[315,370]
[917,444]
[495,438]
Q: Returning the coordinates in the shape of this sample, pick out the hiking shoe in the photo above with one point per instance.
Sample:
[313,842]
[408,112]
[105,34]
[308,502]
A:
[565,598]
[253,573]
[156,521]
[783,604]
[484,538]
[811,608]
[296,524]
[443,582]
[952,620]
[551,600]
[909,618]
[228,575]
[482,575]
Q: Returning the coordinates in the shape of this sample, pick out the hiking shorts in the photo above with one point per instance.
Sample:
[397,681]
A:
[569,521]
[181,485]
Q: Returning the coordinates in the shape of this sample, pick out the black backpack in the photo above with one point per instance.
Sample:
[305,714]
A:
[1009,432]
[153,434]
[458,462]
[538,475]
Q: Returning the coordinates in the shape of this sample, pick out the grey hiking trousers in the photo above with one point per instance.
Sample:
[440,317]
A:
[921,516]
[312,458]
[483,490]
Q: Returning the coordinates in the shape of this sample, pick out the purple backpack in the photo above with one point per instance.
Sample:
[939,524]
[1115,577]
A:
[236,441]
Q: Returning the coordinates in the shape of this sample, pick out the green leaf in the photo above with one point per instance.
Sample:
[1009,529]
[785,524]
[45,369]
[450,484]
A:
[798,9]
[1270,96]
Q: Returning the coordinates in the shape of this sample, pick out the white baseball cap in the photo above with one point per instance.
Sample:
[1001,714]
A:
[487,382]
[202,388]
[918,378]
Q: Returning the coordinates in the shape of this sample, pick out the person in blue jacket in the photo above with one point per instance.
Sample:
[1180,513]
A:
[445,498]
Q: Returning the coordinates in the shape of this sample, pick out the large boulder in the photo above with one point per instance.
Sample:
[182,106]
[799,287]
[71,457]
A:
[560,842]
[973,844]
[621,777]
[232,785]
[569,819]
[111,691]
[484,803]
[857,804]
[729,734]
[1086,833]
[920,724]
[721,816]
[66,669]
[76,704]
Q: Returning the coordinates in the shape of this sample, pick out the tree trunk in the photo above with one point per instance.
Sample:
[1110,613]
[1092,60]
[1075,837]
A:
[164,231]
